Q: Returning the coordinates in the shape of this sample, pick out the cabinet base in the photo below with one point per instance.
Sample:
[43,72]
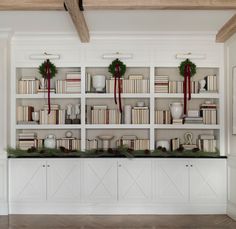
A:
[3,208]
[111,209]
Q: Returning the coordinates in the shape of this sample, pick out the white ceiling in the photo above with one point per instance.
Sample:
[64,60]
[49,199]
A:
[112,21]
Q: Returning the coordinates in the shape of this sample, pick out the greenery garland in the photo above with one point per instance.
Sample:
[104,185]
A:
[112,67]
[192,67]
[43,68]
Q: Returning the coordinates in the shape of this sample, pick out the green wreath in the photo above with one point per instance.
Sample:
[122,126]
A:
[52,69]
[192,67]
[112,67]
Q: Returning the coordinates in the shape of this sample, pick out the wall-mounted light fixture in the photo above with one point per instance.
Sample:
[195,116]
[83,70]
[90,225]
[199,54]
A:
[117,55]
[190,56]
[44,56]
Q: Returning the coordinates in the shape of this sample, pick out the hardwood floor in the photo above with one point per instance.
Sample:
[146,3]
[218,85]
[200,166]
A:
[117,222]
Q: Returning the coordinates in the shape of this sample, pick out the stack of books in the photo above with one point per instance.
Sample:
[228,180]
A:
[133,143]
[193,120]
[27,140]
[211,83]
[56,115]
[69,143]
[177,121]
[72,84]
[102,115]
[207,143]
[162,117]
[91,144]
[208,111]
[24,115]
[140,115]
[161,84]
[175,144]
[135,84]
[28,85]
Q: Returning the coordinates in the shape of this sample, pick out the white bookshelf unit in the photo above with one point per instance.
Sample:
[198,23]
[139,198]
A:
[148,60]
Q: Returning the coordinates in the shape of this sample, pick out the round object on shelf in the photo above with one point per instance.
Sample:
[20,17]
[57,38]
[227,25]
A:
[69,134]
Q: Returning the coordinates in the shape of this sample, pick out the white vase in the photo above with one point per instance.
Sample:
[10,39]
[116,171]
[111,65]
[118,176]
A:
[127,111]
[99,82]
[50,141]
[176,110]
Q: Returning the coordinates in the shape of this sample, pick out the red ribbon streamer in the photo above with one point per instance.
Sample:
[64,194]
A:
[117,77]
[49,85]
[187,86]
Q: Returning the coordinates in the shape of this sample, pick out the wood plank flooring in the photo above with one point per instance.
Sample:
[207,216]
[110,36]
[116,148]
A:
[117,222]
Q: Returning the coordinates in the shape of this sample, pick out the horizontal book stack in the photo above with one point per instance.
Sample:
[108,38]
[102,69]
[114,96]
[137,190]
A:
[177,121]
[28,85]
[72,84]
[161,84]
[135,144]
[140,115]
[69,143]
[211,83]
[91,144]
[162,117]
[175,144]
[129,85]
[177,87]
[56,115]
[207,143]
[208,111]
[24,115]
[27,140]
[193,120]
[102,115]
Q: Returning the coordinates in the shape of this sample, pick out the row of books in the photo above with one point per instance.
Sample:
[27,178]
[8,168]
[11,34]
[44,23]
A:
[162,117]
[27,140]
[24,114]
[140,115]
[135,144]
[174,144]
[163,85]
[211,83]
[69,143]
[129,86]
[208,111]
[207,143]
[103,115]
[72,84]
[178,87]
[28,85]
[91,144]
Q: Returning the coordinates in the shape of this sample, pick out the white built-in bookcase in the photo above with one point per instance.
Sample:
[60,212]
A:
[150,58]
[150,131]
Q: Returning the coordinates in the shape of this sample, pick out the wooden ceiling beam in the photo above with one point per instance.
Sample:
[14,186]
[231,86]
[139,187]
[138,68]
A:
[121,4]
[78,19]
[228,29]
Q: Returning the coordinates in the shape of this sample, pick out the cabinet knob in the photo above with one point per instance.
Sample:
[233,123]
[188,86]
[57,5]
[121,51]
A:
[44,166]
[191,165]
[119,165]
[186,165]
[48,165]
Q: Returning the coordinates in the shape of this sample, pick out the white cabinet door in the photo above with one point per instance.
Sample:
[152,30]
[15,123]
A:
[171,180]
[208,180]
[135,180]
[63,180]
[100,180]
[3,180]
[27,180]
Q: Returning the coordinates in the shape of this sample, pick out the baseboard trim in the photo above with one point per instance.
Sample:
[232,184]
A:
[111,209]
[231,210]
[3,208]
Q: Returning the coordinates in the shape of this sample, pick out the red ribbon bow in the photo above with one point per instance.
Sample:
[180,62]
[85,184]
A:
[187,86]
[117,77]
[49,84]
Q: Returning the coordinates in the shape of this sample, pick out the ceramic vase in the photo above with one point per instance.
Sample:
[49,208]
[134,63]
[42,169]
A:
[99,82]
[176,110]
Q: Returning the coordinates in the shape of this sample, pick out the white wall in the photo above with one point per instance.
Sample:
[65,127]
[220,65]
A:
[230,57]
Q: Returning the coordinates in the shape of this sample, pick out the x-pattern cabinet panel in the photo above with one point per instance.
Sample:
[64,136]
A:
[100,180]
[135,180]
[3,180]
